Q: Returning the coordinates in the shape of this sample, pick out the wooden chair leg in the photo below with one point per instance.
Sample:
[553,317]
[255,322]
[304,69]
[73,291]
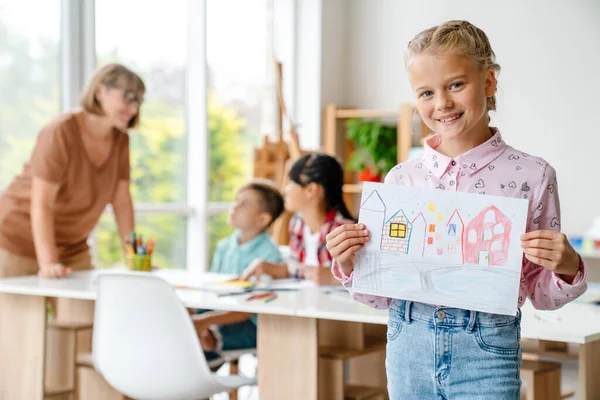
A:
[234,368]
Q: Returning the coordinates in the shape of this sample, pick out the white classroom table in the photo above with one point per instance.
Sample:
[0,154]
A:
[289,322]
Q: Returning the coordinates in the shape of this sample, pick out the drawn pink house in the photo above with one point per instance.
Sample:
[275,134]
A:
[487,238]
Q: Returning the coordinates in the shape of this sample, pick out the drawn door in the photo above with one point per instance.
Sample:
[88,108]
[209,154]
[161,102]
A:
[484,257]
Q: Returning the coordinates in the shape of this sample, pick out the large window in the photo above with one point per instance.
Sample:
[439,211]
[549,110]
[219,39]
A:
[158,155]
[241,95]
[47,48]
[29,77]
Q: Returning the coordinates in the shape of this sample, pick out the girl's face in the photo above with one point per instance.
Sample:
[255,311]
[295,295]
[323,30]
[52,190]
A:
[300,198]
[294,196]
[451,94]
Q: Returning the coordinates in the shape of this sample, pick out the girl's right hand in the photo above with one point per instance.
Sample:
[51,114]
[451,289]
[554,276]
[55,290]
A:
[53,270]
[343,243]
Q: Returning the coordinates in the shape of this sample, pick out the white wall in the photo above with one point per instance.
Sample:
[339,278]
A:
[548,101]
[334,52]
[307,91]
[319,64]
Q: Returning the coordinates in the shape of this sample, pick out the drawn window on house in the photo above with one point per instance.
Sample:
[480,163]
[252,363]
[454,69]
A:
[440,251]
[452,230]
[487,235]
[472,236]
[490,216]
[431,207]
[451,249]
[398,230]
[430,240]
[440,217]
[496,245]
[498,229]
[438,236]
[432,228]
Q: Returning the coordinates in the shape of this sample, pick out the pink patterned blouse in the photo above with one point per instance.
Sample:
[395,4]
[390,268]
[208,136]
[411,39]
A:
[497,169]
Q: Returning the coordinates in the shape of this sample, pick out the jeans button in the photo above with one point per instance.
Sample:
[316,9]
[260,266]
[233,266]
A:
[441,314]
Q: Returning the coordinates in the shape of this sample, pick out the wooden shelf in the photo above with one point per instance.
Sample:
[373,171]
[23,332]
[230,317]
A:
[57,391]
[337,144]
[67,325]
[354,392]
[355,113]
[371,345]
[539,356]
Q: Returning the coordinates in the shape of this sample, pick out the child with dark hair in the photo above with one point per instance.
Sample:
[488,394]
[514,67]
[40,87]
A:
[314,194]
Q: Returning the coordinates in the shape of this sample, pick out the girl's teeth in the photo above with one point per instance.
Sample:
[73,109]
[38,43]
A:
[450,119]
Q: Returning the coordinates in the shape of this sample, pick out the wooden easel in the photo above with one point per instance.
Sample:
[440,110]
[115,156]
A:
[273,160]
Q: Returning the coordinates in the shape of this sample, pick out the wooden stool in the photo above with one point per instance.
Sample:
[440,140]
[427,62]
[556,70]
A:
[93,385]
[363,393]
[542,380]
[344,346]
[62,382]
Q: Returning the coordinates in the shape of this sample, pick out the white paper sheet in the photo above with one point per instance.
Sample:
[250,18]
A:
[439,247]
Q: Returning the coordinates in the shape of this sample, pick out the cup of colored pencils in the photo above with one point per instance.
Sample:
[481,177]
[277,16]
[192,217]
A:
[139,253]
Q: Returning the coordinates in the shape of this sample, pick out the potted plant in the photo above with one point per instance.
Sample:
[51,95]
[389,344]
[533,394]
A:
[376,148]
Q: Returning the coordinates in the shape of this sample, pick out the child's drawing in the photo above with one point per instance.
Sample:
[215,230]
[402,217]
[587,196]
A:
[447,248]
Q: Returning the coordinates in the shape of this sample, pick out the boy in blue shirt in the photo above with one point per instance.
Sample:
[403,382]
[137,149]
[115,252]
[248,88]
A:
[257,205]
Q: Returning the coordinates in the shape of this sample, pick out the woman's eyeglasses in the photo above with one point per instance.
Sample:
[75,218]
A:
[130,96]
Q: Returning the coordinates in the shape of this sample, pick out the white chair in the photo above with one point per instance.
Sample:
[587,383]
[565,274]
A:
[145,345]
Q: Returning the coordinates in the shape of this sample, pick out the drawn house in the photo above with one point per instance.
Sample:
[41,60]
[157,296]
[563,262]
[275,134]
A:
[453,238]
[396,233]
[488,238]
[418,236]
[373,209]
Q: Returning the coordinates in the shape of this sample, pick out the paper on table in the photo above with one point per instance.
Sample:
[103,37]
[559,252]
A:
[441,247]
[282,284]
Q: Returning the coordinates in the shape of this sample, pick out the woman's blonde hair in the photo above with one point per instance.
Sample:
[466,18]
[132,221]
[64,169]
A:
[115,76]
[460,38]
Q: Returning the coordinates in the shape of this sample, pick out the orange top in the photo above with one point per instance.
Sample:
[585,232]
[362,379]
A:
[60,157]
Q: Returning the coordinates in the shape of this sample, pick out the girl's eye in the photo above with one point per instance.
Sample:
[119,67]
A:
[427,93]
[456,85]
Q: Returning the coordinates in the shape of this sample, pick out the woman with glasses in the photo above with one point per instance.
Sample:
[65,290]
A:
[80,163]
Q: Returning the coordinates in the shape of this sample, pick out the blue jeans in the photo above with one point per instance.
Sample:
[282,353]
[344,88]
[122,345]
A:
[232,337]
[449,353]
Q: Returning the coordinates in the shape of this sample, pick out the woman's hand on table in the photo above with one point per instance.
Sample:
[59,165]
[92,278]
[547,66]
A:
[53,271]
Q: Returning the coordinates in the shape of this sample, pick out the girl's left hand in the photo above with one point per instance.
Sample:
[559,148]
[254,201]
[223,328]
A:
[319,275]
[551,250]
